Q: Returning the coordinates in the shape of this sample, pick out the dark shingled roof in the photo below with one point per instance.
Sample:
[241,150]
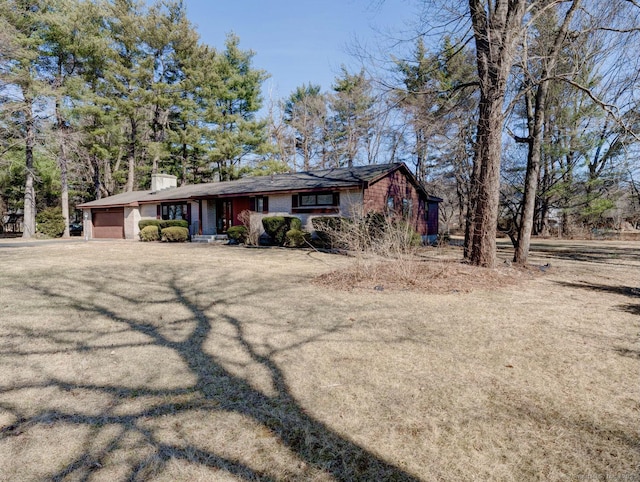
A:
[339,178]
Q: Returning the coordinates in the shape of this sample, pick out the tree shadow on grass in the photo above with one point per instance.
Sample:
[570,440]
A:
[629,291]
[320,450]
[584,252]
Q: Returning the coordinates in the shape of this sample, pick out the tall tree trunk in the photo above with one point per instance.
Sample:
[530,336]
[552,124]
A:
[97,184]
[64,189]
[471,208]
[29,210]
[131,177]
[547,174]
[535,146]
[185,164]
[495,30]
[62,164]
[531,178]
[487,195]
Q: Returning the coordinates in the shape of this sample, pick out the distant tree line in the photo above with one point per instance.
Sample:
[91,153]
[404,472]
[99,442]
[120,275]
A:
[522,115]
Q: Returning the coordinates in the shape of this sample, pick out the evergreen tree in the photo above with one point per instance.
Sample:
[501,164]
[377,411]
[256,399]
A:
[351,121]
[235,133]
[24,89]
[168,39]
[129,76]
[62,24]
[305,112]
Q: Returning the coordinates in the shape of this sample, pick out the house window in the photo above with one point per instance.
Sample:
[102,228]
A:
[175,211]
[316,202]
[391,206]
[407,207]
[259,204]
[319,199]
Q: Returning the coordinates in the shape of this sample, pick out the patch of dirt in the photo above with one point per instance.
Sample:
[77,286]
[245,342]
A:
[426,276]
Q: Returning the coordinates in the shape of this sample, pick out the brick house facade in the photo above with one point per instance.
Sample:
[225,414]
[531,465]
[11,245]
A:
[212,208]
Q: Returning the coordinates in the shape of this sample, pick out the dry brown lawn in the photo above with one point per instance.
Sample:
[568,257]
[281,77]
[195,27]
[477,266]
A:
[139,361]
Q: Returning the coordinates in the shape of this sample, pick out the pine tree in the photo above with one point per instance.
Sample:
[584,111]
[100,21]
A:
[24,89]
[235,98]
[305,112]
[351,121]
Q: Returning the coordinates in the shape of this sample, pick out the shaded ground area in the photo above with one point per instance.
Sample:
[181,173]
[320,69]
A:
[135,361]
[604,252]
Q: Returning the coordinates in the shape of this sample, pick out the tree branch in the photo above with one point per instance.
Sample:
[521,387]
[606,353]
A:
[610,109]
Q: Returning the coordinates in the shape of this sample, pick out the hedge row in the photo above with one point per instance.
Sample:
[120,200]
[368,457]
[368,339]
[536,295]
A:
[162,223]
[169,230]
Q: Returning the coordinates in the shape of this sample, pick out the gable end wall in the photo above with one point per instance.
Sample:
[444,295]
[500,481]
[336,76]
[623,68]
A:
[396,184]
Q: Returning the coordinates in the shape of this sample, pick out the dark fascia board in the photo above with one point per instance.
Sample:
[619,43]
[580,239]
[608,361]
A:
[398,165]
[108,206]
[250,194]
[169,201]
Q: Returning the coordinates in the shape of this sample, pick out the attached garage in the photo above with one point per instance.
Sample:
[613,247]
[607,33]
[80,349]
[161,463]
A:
[108,223]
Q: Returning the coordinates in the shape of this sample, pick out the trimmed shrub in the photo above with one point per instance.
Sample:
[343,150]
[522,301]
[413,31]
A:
[50,222]
[295,238]
[237,233]
[276,227]
[175,234]
[150,233]
[146,225]
[143,223]
[170,223]
[163,223]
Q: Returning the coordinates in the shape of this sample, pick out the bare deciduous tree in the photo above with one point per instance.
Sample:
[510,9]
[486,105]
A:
[496,27]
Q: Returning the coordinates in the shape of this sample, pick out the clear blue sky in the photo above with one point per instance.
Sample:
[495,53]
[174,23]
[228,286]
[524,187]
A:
[301,41]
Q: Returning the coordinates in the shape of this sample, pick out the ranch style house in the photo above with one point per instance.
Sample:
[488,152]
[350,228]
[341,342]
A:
[211,208]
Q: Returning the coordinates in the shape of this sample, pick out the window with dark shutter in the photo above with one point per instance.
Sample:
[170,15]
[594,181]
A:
[259,204]
[316,202]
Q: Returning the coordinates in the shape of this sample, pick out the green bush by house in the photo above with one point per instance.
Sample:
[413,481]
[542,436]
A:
[175,234]
[278,226]
[162,223]
[295,238]
[150,233]
[237,233]
[50,222]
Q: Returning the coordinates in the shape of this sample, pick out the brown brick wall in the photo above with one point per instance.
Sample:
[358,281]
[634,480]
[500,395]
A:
[397,185]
